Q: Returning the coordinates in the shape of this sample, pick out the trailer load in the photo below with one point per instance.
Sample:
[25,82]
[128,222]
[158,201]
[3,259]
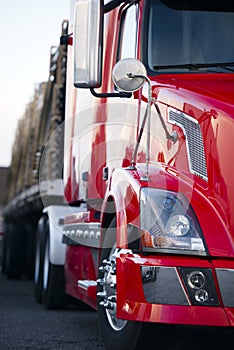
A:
[24,195]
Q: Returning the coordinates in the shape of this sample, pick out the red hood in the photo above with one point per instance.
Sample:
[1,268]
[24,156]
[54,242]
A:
[212,89]
[195,95]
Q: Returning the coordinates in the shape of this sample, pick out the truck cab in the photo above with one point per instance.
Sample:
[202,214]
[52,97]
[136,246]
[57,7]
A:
[148,147]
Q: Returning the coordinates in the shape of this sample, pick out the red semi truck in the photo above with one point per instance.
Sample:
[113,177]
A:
[148,175]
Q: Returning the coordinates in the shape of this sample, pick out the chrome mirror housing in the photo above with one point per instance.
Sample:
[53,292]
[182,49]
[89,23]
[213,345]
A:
[129,74]
[87,44]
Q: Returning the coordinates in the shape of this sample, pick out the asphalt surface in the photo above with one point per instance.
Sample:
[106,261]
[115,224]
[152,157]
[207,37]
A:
[25,324]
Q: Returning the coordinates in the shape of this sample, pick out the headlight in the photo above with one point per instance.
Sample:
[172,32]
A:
[177,225]
[169,220]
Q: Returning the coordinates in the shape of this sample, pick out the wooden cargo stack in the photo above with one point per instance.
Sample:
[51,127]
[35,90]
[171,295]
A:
[37,152]
[36,159]
[25,145]
[50,142]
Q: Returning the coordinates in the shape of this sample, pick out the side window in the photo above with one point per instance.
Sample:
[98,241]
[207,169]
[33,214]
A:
[128,33]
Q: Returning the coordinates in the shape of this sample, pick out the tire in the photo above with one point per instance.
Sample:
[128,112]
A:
[3,267]
[13,251]
[115,333]
[53,286]
[30,233]
[39,258]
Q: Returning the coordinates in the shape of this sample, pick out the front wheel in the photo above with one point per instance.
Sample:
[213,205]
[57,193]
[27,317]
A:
[115,333]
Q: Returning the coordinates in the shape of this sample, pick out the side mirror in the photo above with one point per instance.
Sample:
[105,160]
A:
[87,44]
[129,75]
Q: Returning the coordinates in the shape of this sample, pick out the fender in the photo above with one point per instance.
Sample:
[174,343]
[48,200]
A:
[56,215]
[124,193]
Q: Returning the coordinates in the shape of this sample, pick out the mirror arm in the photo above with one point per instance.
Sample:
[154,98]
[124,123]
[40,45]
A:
[148,117]
[133,162]
[110,94]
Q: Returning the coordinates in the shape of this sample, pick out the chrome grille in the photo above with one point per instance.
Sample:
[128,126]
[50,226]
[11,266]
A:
[194,141]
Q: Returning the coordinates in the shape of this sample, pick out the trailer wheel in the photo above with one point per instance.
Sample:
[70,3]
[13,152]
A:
[13,251]
[54,296]
[115,333]
[3,267]
[39,258]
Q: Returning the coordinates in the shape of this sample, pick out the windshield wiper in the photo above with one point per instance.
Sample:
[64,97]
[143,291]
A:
[196,66]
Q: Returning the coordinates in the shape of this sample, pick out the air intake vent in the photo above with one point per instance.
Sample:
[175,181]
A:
[194,141]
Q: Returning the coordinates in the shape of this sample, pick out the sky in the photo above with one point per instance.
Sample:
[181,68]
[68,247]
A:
[28,29]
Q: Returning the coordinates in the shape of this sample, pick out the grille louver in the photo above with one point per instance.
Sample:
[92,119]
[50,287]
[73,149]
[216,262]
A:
[194,141]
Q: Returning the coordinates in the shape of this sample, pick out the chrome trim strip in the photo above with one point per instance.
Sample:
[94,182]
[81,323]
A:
[85,284]
[87,234]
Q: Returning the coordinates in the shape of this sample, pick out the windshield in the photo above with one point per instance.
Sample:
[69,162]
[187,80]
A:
[183,39]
